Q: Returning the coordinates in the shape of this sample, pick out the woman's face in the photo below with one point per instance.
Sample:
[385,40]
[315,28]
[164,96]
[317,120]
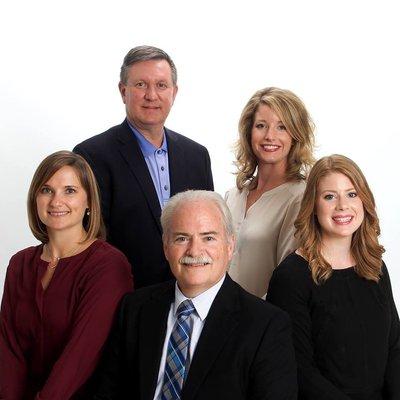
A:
[270,141]
[62,201]
[338,207]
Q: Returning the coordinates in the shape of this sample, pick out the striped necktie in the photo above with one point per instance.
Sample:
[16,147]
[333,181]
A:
[175,365]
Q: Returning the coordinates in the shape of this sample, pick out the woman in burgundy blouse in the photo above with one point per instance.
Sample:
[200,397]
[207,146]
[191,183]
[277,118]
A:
[59,297]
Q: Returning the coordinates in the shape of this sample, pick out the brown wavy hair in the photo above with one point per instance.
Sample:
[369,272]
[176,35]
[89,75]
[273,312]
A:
[92,223]
[365,247]
[298,123]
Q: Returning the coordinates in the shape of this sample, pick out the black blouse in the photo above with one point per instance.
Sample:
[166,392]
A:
[346,332]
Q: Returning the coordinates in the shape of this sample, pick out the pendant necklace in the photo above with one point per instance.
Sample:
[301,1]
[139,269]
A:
[54,259]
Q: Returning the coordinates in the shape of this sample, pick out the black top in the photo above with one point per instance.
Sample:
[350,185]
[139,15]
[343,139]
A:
[346,332]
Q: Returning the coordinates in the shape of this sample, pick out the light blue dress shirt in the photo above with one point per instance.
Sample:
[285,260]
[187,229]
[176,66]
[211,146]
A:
[157,164]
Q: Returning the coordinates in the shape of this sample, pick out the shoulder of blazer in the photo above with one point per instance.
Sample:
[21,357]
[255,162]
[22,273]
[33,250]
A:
[182,141]
[254,307]
[118,133]
[141,296]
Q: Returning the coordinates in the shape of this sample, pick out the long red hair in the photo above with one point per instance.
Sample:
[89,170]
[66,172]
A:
[365,247]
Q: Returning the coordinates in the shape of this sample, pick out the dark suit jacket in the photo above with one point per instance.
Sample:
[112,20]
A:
[245,349]
[130,205]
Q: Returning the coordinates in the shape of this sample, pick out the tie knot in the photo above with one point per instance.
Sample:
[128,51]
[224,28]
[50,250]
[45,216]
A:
[185,309]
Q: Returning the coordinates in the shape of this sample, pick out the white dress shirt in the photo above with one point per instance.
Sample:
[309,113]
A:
[202,304]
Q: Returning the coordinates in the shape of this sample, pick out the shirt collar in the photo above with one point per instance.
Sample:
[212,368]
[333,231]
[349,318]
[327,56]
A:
[146,147]
[202,302]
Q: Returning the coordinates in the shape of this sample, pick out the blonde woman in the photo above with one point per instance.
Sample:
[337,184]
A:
[274,154]
[60,296]
[337,290]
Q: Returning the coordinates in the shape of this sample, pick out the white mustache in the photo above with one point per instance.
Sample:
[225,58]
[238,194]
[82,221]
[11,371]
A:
[187,260]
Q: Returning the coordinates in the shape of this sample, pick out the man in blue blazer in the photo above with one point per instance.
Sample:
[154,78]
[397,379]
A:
[140,163]
[201,336]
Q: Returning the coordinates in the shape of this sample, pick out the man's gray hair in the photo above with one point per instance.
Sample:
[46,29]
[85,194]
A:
[178,200]
[146,53]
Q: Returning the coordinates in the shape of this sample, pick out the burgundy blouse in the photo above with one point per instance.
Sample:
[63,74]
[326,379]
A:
[50,341]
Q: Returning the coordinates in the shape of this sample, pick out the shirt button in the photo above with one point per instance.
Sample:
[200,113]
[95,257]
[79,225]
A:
[162,168]
[159,151]
[166,187]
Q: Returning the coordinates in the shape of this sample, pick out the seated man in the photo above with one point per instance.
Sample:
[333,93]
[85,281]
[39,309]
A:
[202,336]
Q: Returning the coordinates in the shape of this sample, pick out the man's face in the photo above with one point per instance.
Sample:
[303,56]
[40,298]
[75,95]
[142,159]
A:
[148,94]
[197,247]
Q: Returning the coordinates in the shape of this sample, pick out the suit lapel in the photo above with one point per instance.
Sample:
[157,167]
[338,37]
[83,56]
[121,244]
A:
[176,163]
[153,326]
[220,322]
[130,151]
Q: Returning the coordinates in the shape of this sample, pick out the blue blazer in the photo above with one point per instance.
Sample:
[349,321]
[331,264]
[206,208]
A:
[129,201]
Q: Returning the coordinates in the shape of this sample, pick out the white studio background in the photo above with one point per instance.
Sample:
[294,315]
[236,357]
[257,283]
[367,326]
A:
[59,73]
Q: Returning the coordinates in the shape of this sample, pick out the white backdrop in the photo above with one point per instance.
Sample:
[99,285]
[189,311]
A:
[60,64]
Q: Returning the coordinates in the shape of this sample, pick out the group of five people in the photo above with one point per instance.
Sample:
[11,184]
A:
[64,331]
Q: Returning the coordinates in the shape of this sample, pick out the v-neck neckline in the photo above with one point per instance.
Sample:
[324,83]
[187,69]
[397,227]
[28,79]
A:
[267,192]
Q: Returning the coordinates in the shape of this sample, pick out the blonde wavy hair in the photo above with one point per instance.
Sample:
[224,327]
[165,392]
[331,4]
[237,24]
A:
[365,247]
[298,123]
